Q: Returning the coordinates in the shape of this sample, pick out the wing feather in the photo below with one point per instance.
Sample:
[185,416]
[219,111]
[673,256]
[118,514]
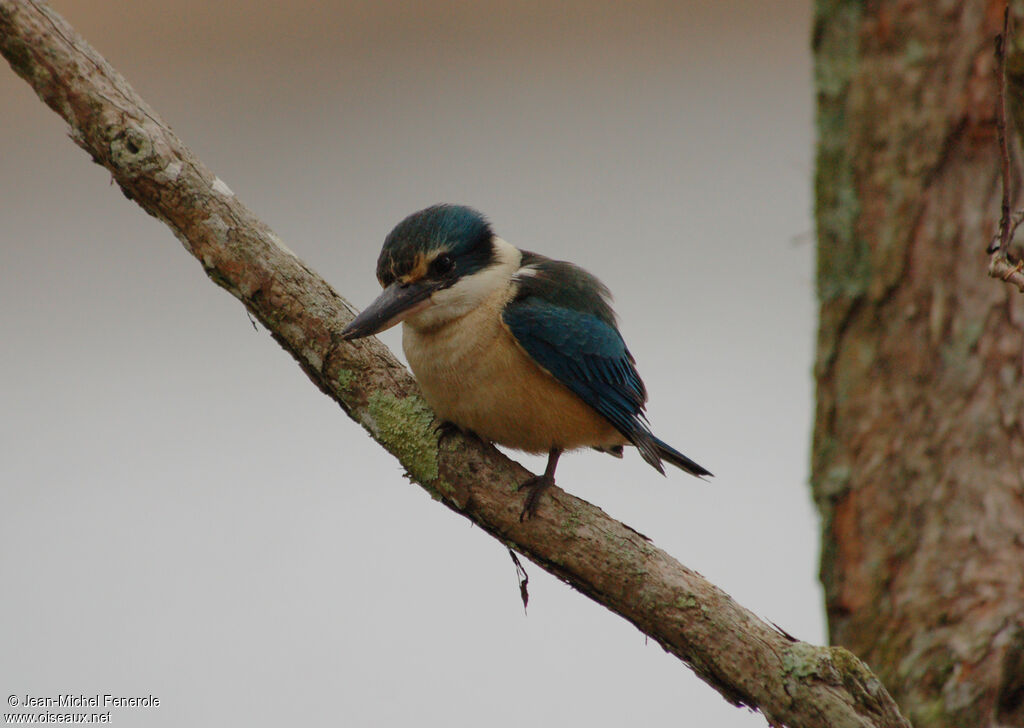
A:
[561,317]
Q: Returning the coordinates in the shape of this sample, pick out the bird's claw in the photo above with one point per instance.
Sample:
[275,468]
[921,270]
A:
[536,486]
[445,428]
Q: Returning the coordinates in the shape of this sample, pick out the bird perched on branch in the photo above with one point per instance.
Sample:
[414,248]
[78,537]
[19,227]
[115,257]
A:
[516,348]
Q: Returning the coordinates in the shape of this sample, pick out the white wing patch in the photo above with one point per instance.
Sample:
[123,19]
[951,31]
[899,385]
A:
[527,271]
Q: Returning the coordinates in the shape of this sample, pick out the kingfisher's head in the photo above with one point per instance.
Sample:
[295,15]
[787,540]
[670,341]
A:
[436,265]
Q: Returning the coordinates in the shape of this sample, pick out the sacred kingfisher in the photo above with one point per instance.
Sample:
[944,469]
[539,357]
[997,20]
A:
[509,345]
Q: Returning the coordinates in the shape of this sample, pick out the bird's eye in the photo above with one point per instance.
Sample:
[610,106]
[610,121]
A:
[442,264]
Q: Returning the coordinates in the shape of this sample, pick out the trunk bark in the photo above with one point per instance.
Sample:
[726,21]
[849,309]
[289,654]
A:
[918,455]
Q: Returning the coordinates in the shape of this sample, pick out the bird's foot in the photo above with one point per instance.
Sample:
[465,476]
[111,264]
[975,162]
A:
[446,428]
[536,486]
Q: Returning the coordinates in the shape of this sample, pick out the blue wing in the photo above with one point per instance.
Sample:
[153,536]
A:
[561,318]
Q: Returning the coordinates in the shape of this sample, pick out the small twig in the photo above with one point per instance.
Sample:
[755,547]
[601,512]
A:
[1004,148]
[1000,266]
[524,579]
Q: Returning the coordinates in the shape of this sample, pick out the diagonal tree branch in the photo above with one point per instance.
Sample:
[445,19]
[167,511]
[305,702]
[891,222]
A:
[748,661]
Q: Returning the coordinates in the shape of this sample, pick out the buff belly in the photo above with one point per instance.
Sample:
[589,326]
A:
[473,373]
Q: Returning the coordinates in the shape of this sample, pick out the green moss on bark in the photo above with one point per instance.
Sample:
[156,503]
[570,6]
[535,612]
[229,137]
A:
[844,260]
[406,428]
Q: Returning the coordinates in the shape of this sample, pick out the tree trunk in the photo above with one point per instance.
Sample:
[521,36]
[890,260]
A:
[918,455]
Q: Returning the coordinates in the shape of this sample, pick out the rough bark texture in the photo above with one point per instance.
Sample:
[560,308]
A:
[748,661]
[918,461]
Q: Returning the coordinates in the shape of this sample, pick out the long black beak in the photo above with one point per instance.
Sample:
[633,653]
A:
[395,303]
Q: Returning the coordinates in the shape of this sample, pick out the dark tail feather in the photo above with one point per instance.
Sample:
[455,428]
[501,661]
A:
[669,454]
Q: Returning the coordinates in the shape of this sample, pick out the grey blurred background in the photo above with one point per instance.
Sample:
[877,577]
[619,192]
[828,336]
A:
[183,515]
